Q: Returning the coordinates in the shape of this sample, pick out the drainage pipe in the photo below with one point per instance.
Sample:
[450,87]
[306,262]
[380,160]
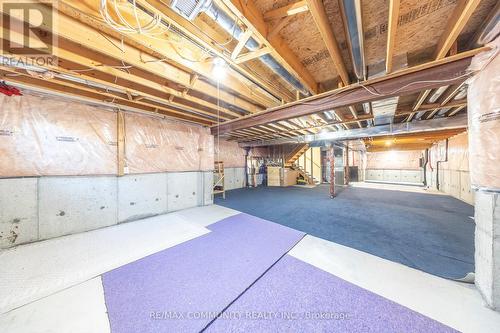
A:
[437,166]
[247,151]
[426,156]
[332,171]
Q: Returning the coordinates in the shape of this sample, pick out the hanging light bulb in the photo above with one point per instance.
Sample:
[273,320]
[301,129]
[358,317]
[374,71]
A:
[219,68]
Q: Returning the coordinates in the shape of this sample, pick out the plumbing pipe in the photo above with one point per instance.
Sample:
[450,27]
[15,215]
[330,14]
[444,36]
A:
[437,165]
[426,156]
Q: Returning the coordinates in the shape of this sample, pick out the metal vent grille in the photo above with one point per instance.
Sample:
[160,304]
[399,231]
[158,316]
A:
[189,8]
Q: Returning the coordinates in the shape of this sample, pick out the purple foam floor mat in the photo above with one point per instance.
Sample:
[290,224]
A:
[294,296]
[183,288]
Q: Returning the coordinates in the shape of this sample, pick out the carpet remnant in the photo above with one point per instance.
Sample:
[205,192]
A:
[294,296]
[432,233]
[183,288]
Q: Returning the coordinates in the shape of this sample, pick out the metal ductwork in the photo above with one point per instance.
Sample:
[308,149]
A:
[384,110]
[437,124]
[354,30]
[192,8]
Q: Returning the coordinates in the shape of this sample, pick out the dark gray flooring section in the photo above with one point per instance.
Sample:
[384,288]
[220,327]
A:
[433,233]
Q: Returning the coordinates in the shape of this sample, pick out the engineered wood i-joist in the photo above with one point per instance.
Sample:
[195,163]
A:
[147,58]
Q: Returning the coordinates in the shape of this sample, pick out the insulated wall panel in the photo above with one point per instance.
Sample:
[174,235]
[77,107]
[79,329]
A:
[69,205]
[159,145]
[230,153]
[53,136]
[182,189]
[18,211]
[141,196]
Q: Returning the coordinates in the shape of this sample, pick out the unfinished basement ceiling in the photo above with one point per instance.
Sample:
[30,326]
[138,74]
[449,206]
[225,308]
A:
[170,70]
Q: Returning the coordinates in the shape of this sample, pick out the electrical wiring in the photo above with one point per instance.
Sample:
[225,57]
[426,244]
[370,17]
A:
[153,27]
[379,94]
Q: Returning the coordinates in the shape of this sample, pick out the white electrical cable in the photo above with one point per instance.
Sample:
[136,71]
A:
[381,94]
[153,27]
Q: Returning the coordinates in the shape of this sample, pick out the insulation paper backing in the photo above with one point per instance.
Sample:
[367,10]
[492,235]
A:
[483,103]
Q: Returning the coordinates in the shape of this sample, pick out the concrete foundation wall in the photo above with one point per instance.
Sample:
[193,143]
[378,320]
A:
[454,175]
[38,208]
[452,182]
[234,178]
[487,242]
[395,175]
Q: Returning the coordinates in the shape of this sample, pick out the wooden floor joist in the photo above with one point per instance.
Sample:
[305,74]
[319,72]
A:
[248,13]
[49,86]
[234,91]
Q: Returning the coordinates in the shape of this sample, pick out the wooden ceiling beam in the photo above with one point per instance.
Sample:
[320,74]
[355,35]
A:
[127,96]
[71,62]
[391,33]
[263,87]
[86,44]
[404,82]
[249,14]
[162,54]
[96,97]
[276,28]
[285,11]
[459,18]
[320,18]
[241,44]
[252,55]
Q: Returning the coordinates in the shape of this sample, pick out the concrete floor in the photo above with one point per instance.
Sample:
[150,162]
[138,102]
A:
[427,231]
[78,305]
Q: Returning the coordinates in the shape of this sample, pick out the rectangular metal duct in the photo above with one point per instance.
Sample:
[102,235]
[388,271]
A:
[384,110]
[190,8]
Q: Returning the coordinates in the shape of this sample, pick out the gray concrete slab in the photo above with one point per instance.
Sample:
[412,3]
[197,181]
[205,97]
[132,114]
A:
[69,205]
[18,211]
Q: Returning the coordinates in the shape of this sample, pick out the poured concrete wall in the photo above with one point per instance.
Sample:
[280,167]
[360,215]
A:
[395,176]
[234,178]
[394,167]
[38,208]
[454,176]
[487,240]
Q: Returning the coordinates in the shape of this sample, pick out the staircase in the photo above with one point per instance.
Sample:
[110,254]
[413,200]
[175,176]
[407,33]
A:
[295,154]
[307,177]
